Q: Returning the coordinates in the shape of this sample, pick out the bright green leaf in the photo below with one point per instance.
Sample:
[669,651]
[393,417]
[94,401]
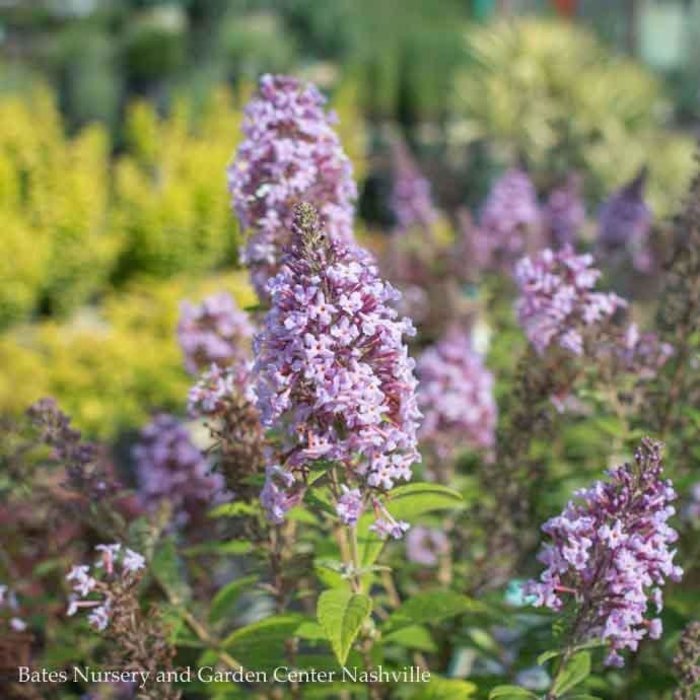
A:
[510,692]
[226,597]
[574,672]
[410,501]
[341,613]
[432,606]
[412,637]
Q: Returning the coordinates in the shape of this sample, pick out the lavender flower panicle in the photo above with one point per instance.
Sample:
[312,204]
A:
[455,395]
[120,568]
[225,397]
[411,199]
[290,153]
[333,375]
[611,552]
[168,466]
[85,472]
[510,220]
[624,224]
[557,304]
[564,213]
[213,332]
[108,592]
[349,506]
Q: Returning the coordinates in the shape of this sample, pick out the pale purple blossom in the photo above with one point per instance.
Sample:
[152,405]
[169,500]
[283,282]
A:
[411,198]
[169,466]
[388,527]
[290,153]
[510,220]
[610,553]
[93,586]
[133,561]
[455,396]
[216,386]
[333,373]
[349,505]
[279,493]
[557,304]
[425,545]
[213,332]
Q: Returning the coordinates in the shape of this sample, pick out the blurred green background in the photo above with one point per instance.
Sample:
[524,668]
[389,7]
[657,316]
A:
[118,117]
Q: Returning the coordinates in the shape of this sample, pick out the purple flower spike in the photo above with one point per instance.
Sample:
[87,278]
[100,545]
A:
[455,395]
[411,198]
[290,153]
[510,218]
[169,466]
[610,554]
[557,304]
[564,213]
[214,332]
[625,223]
[333,373]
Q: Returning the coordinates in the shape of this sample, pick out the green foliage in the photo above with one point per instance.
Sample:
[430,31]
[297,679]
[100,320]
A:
[432,607]
[341,614]
[109,367]
[574,672]
[550,92]
[510,692]
[171,203]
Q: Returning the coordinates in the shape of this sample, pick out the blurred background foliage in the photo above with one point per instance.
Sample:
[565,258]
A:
[118,118]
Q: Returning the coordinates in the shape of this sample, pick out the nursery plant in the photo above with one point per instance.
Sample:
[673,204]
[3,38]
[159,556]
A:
[455,465]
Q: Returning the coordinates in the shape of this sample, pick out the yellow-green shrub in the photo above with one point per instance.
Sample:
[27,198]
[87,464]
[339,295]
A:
[54,195]
[171,203]
[109,368]
[552,92]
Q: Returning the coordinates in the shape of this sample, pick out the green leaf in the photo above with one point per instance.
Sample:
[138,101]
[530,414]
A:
[226,597]
[510,692]
[169,571]
[410,501]
[341,613]
[412,637]
[235,509]
[578,696]
[546,656]
[262,644]
[576,670]
[432,606]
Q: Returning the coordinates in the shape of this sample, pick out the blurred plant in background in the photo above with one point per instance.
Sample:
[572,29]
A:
[551,93]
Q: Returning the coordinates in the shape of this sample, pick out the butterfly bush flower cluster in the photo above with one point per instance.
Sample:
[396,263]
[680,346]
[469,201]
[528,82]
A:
[455,396]
[510,218]
[610,553]
[557,304]
[97,588]
[213,332]
[625,223]
[9,609]
[425,545]
[564,213]
[411,199]
[290,152]
[333,373]
[169,466]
